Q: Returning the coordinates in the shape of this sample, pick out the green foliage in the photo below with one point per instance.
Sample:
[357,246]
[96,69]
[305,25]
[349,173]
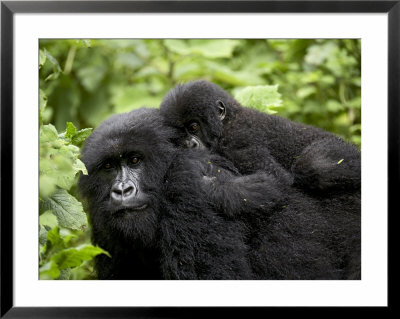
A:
[59,162]
[57,259]
[62,221]
[66,208]
[261,97]
[317,81]
[320,83]
[82,82]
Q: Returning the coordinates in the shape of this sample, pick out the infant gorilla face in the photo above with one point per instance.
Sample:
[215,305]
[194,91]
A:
[124,158]
[197,110]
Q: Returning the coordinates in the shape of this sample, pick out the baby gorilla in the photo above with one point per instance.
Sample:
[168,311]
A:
[311,158]
[147,206]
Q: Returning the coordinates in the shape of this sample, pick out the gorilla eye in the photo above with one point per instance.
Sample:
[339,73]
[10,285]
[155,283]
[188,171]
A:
[135,160]
[107,165]
[194,127]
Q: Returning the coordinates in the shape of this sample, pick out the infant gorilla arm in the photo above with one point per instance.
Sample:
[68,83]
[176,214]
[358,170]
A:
[146,206]
[231,193]
[312,158]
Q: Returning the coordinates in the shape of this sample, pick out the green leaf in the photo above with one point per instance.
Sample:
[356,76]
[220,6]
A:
[59,161]
[58,164]
[52,59]
[42,105]
[355,128]
[74,257]
[42,235]
[48,133]
[126,99]
[56,66]
[203,47]
[306,91]
[55,241]
[47,184]
[42,58]
[48,219]
[317,54]
[80,166]
[128,60]
[213,49]
[75,137]
[49,270]
[260,97]
[53,76]
[355,103]
[68,210]
[68,235]
[334,106]
[42,100]
[84,43]
[71,130]
[186,70]
[80,136]
[224,74]
[177,46]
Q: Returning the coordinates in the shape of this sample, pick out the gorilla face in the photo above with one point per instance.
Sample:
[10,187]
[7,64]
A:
[197,109]
[126,198]
[126,157]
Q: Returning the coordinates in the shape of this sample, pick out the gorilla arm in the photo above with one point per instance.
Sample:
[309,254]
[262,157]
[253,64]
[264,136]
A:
[234,194]
[245,194]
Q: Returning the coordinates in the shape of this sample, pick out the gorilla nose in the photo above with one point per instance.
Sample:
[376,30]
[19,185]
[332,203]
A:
[192,143]
[123,191]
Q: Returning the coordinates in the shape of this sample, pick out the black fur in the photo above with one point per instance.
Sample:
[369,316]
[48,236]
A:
[290,234]
[179,235]
[205,220]
[313,159]
[307,237]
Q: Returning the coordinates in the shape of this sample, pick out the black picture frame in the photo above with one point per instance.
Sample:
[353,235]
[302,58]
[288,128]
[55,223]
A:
[9,8]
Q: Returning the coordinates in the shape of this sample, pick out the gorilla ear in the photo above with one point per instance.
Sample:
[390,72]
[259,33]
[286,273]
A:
[221,109]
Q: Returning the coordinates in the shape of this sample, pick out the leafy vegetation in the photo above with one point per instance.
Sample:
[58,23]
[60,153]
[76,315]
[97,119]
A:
[314,81]
[62,221]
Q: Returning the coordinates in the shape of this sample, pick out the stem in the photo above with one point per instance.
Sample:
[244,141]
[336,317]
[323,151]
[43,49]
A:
[70,59]
[171,64]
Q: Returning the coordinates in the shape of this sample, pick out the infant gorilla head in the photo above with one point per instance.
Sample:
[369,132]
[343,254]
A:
[198,107]
[124,158]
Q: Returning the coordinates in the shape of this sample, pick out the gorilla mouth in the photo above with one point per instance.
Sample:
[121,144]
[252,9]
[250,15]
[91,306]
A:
[138,208]
[131,209]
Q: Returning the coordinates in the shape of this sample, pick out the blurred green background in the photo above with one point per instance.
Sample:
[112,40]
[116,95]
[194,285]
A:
[82,82]
[88,80]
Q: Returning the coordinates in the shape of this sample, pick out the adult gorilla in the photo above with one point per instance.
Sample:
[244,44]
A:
[147,208]
[313,159]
